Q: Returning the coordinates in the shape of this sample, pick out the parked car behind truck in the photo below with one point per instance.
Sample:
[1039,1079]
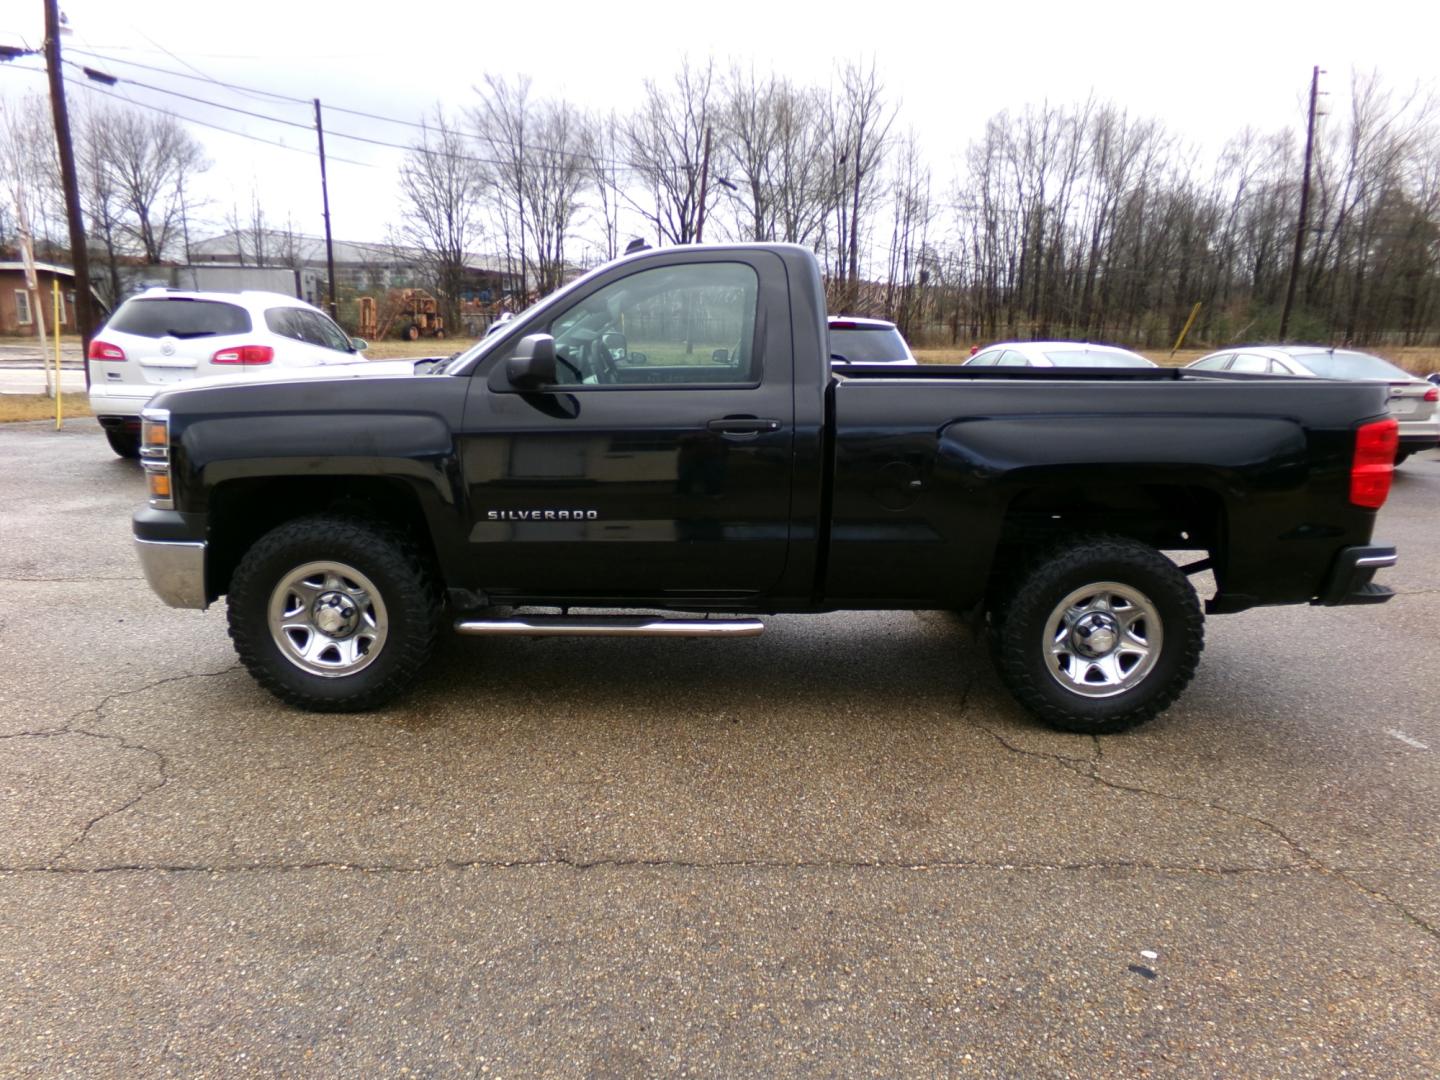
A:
[347,519]
[164,337]
[1412,400]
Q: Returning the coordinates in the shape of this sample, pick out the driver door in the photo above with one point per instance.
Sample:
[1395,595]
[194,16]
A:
[659,465]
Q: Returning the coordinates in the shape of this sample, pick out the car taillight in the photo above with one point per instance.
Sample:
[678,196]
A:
[1374,465]
[1433,394]
[103,350]
[244,354]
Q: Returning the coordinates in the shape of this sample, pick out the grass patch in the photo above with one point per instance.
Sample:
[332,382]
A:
[403,350]
[39,407]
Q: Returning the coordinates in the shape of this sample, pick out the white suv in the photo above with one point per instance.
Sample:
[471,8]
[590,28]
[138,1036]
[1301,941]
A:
[163,337]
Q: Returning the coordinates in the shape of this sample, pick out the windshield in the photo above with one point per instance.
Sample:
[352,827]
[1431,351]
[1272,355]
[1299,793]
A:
[1086,358]
[869,345]
[178,317]
[1350,365]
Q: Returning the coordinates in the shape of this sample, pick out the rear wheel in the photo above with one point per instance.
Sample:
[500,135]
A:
[1098,636]
[125,443]
[333,615]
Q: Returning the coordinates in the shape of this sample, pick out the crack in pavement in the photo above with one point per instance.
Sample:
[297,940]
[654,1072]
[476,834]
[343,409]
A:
[1090,770]
[162,763]
[1086,768]
[561,861]
[68,580]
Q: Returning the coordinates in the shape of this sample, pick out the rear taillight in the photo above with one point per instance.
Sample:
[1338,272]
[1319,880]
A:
[244,354]
[1374,465]
[1433,394]
[103,350]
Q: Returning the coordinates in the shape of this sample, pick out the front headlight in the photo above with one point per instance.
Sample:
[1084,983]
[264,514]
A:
[155,456]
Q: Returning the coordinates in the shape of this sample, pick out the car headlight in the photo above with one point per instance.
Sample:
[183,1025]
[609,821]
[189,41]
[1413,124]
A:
[155,456]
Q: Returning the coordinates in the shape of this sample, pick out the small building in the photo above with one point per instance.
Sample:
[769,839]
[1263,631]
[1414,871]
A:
[17,314]
[359,267]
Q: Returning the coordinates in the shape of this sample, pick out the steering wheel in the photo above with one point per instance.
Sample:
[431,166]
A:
[579,378]
[602,363]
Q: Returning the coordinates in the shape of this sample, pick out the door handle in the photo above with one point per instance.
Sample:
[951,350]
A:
[743,425]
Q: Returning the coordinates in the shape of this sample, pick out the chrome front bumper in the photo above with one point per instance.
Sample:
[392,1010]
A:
[175,570]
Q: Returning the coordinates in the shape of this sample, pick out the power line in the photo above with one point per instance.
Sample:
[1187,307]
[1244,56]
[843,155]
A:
[196,78]
[418,126]
[216,127]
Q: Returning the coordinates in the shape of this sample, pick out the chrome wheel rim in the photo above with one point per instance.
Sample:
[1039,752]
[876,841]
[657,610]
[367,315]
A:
[1103,639]
[328,619]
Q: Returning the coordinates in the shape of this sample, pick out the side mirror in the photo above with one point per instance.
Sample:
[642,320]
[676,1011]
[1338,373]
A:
[358,344]
[720,356]
[533,365]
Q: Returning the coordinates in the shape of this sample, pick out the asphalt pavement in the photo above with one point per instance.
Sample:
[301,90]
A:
[837,849]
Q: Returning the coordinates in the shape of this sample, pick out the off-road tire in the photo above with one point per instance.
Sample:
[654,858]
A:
[125,443]
[401,576]
[1020,621]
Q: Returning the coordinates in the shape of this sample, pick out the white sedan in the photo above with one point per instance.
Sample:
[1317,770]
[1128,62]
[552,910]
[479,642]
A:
[1057,354]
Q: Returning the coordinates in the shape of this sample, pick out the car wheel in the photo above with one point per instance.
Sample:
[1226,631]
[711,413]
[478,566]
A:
[1099,635]
[125,443]
[333,614]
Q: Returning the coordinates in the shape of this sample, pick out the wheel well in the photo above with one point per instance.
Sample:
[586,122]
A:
[1166,517]
[242,511]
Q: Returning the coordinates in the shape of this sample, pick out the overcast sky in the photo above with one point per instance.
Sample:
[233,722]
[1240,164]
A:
[1205,70]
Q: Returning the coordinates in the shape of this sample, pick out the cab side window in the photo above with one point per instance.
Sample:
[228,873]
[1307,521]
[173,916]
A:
[671,325]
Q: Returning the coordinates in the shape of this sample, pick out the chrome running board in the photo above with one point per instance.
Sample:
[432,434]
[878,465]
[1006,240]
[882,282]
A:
[608,626]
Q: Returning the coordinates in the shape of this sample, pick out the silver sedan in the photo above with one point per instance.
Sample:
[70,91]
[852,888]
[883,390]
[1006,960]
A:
[1412,400]
[1052,354]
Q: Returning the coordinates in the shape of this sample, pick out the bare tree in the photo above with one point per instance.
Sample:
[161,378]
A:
[152,157]
[440,187]
[665,143]
[606,173]
[749,145]
[860,122]
[29,166]
[102,200]
[554,177]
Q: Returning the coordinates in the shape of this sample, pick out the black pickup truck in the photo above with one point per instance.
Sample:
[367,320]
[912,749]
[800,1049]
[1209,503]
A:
[667,437]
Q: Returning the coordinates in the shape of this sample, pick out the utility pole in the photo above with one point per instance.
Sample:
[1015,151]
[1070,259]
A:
[704,183]
[1304,206]
[79,253]
[325,198]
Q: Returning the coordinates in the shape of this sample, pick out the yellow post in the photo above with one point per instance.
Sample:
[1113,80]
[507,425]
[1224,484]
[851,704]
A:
[59,389]
[1186,328]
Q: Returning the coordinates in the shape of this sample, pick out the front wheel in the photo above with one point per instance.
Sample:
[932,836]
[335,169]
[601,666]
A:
[1099,636]
[333,615]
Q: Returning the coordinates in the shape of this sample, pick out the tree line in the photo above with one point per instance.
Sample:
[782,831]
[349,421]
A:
[1067,220]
